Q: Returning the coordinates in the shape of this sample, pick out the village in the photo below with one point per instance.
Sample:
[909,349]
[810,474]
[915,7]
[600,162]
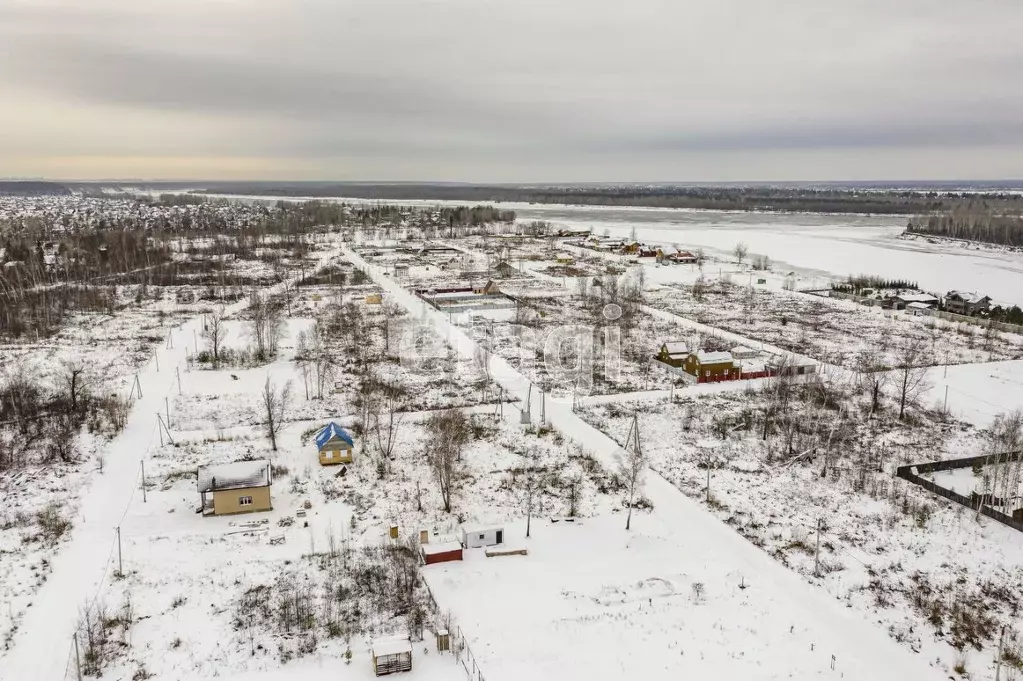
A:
[445,443]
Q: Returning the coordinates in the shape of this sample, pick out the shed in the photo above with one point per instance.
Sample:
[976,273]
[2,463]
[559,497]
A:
[742,352]
[374,299]
[239,487]
[392,655]
[445,552]
[334,444]
[476,536]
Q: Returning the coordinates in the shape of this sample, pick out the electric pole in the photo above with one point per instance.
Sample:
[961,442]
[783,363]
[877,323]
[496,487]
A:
[817,552]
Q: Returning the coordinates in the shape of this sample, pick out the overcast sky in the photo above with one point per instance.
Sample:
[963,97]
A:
[512,90]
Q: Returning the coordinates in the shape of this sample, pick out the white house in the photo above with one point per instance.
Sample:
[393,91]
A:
[476,536]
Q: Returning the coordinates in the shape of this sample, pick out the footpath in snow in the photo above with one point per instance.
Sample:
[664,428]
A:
[868,652]
[43,648]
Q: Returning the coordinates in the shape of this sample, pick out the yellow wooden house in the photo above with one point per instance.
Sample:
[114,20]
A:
[335,445]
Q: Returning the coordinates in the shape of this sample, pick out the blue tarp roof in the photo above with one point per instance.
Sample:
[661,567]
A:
[331,431]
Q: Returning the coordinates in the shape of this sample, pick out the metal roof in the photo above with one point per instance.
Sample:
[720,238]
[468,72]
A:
[331,431]
[237,475]
[714,357]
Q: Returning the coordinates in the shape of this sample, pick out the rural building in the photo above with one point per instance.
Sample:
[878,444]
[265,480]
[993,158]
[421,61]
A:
[918,309]
[904,300]
[674,353]
[334,444]
[186,295]
[709,367]
[966,303]
[374,299]
[676,256]
[444,552]
[489,289]
[476,536]
[792,366]
[239,487]
[392,655]
[742,352]
[504,270]
[564,259]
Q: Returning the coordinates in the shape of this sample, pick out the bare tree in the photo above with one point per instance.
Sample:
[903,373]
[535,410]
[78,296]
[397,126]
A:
[872,374]
[450,432]
[910,373]
[699,288]
[275,402]
[75,380]
[386,421]
[532,485]
[740,251]
[214,332]
[266,326]
[632,463]
[391,313]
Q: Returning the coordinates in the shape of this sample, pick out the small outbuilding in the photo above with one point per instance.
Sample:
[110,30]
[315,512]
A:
[444,552]
[334,444]
[476,536]
[239,487]
[374,299]
[392,655]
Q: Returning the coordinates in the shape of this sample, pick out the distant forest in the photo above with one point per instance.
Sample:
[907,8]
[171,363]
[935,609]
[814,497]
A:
[741,198]
[32,188]
[972,221]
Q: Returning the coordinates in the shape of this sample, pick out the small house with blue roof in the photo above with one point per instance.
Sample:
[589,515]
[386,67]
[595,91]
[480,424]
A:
[335,445]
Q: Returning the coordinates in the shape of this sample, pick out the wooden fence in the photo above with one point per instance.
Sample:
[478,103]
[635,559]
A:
[911,474]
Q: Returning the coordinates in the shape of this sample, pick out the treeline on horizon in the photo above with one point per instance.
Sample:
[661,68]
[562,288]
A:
[972,221]
[740,198]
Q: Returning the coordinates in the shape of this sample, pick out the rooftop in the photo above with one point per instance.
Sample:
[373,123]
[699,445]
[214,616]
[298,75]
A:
[235,475]
[331,431]
[713,357]
[391,646]
[443,547]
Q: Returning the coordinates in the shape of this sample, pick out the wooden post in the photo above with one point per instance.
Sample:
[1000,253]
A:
[166,404]
[998,660]
[78,658]
[817,552]
[143,482]
[120,563]
[177,371]
[159,420]
[157,356]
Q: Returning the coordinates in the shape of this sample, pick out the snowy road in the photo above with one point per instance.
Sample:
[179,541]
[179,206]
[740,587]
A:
[43,649]
[868,653]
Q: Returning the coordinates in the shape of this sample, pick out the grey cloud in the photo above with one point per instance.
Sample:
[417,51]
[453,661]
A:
[457,85]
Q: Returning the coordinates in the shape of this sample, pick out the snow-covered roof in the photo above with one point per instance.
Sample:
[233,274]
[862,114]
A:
[235,475]
[966,296]
[391,646]
[443,547]
[677,347]
[331,431]
[918,298]
[713,357]
[739,350]
[918,306]
[477,529]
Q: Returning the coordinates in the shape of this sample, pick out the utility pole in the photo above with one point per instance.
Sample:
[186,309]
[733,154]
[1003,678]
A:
[817,552]
[945,408]
[166,405]
[708,480]
[195,341]
[998,660]
[177,371]
[120,564]
[143,482]
[78,658]
[157,356]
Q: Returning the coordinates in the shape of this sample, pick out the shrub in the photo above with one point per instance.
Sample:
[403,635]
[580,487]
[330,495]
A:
[52,525]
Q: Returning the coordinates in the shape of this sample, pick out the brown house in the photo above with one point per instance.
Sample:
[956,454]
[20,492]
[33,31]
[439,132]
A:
[709,367]
[239,487]
[673,353]
[966,303]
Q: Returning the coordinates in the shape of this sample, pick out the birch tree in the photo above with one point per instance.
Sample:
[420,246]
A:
[214,332]
[910,373]
[275,403]
[632,464]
